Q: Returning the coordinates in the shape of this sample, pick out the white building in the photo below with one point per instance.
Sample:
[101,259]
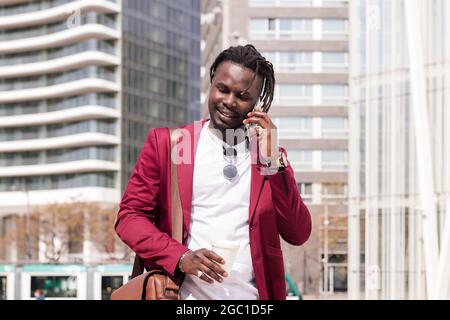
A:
[81,85]
[399,223]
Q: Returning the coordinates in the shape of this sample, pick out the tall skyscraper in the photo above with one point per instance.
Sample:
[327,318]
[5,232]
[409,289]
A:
[81,85]
[211,44]
[307,41]
[399,225]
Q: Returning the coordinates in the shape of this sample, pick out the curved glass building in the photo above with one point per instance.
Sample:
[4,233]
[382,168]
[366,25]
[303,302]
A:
[81,84]
[59,101]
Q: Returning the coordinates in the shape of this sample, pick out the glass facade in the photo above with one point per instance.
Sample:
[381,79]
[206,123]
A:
[296,28]
[30,107]
[31,6]
[65,74]
[106,46]
[106,73]
[161,70]
[55,286]
[108,20]
[297,3]
[58,130]
[150,71]
[76,180]
[109,284]
[3,281]
[106,153]
[400,164]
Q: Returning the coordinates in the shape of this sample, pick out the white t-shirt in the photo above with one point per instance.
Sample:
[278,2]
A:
[220,211]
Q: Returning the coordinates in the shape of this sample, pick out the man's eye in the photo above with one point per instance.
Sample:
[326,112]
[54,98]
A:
[222,89]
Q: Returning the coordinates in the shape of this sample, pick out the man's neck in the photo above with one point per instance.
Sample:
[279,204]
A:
[231,137]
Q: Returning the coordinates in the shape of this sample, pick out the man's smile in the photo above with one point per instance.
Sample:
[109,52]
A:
[228,115]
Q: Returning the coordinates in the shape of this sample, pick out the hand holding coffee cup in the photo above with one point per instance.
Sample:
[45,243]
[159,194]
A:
[205,264]
[227,250]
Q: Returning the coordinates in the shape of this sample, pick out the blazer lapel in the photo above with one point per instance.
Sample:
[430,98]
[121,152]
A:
[257,181]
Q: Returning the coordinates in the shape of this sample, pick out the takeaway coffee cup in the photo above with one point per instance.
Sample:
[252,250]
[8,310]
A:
[227,250]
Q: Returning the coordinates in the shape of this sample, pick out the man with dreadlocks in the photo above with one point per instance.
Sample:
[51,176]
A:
[236,185]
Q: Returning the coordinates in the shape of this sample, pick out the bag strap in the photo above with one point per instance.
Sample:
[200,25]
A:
[177,212]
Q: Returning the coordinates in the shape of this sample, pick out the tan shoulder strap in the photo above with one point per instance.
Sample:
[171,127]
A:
[177,211]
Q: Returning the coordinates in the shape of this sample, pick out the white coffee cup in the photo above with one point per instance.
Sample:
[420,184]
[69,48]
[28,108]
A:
[227,250]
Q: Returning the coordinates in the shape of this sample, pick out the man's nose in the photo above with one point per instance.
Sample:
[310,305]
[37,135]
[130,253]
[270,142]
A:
[230,101]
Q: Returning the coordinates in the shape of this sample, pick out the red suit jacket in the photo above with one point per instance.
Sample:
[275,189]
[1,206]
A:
[144,223]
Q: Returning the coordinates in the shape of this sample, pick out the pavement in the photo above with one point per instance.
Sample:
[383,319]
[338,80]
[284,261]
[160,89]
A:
[326,296]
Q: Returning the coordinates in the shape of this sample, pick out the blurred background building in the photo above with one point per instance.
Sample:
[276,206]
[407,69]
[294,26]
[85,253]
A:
[81,84]
[360,103]
[307,41]
[399,222]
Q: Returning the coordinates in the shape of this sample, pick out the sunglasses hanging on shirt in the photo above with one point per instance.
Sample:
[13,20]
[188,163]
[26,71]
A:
[230,171]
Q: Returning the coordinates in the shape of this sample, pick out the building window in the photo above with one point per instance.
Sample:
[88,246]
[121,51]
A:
[334,25]
[293,127]
[262,28]
[280,3]
[334,160]
[305,190]
[301,160]
[3,288]
[334,3]
[335,28]
[334,94]
[334,127]
[295,29]
[335,61]
[98,179]
[290,61]
[334,190]
[293,94]
[295,61]
[109,284]
[269,28]
[55,286]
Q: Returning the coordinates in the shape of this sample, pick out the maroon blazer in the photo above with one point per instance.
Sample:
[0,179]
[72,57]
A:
[144,222]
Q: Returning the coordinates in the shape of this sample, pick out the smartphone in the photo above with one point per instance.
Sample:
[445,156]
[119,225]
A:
[258,103]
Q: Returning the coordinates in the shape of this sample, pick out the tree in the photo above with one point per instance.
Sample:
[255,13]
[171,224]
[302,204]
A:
[103,236]
[58,232]
[59,229]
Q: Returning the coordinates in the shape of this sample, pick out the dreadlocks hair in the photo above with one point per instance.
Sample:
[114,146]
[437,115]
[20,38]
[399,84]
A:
[248,57]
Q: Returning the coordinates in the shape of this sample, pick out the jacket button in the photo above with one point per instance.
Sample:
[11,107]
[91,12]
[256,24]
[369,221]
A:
[185,234]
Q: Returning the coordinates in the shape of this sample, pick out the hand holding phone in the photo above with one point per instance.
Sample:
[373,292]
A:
[251,127]
[259,123]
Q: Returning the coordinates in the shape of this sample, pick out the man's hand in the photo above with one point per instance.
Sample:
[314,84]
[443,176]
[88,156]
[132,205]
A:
[204,263]
[267,134]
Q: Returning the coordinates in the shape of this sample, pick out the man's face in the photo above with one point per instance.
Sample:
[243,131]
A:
[231,96]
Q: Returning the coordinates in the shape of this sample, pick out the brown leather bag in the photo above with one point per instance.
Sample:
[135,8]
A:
[156,284]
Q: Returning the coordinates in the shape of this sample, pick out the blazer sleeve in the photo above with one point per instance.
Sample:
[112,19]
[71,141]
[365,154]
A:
[139,208]
[293,217]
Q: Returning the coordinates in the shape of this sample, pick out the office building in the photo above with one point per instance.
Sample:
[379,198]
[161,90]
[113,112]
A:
[399,182]
[307,41]
[81,84]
